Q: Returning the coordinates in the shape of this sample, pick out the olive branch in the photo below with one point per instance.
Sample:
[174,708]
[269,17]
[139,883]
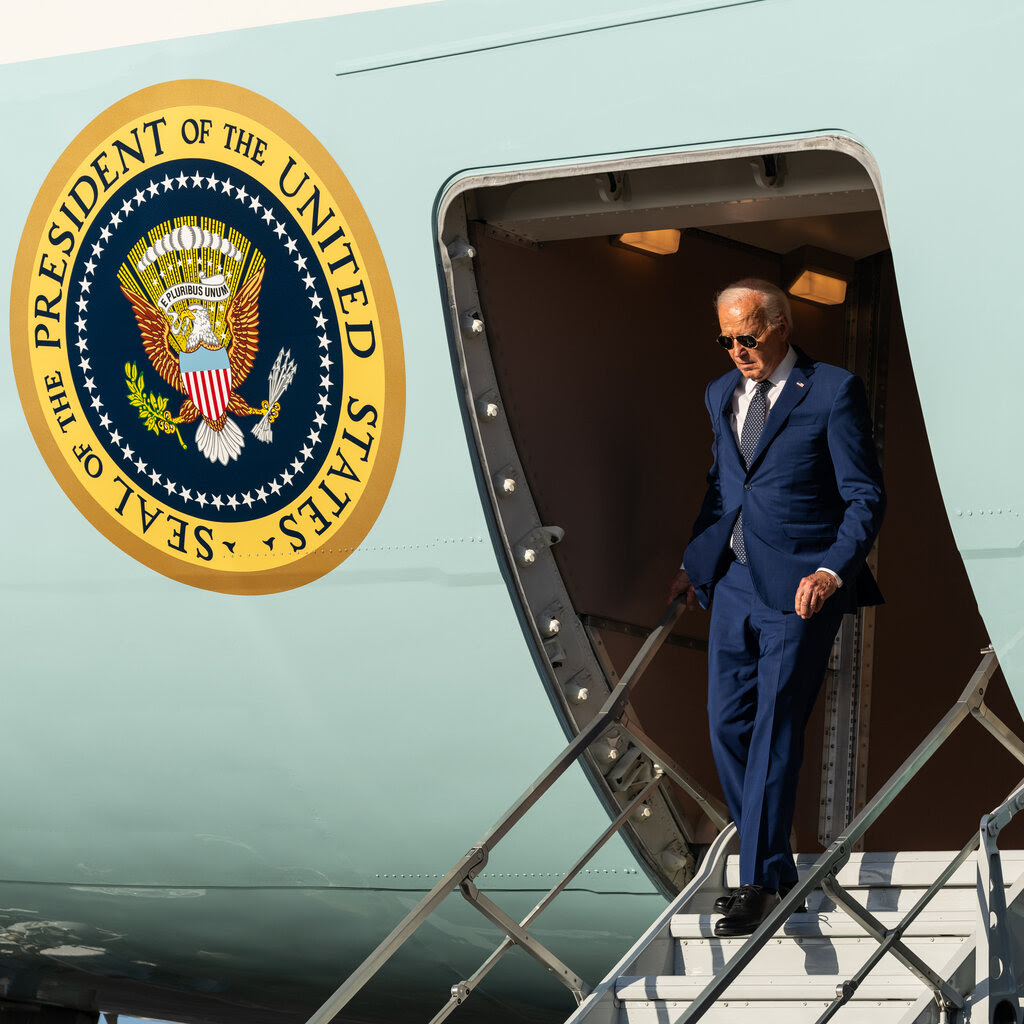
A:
[152,409]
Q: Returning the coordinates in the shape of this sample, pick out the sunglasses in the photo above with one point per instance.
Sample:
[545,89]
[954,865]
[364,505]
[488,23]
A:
[746,340]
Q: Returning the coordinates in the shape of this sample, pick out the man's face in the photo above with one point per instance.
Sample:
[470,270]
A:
[745,316]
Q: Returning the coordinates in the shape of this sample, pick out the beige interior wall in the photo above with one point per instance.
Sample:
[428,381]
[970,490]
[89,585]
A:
[602,356]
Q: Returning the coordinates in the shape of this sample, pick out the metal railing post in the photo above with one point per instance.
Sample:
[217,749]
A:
[462,990]
[832,860]
[461,876]
[896,934]
[473,861]
[993,954]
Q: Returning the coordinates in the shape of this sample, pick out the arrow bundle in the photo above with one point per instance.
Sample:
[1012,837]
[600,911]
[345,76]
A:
[280,377]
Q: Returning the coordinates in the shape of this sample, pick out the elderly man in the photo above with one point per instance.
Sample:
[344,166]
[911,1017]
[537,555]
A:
[794,502]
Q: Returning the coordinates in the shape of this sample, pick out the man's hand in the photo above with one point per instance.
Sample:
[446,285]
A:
[681,585]
[813,592]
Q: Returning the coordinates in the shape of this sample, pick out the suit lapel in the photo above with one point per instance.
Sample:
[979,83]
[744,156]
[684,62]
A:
[798,385]
[725,415]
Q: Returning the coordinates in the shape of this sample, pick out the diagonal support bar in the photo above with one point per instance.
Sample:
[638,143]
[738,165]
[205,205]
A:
[473,862]
[829,863]
[610,712]
[972,844]
[893,943]
[848,988]
[462,991]
[711,806]
[991,721]
[522,938]
[469,865]
[896,934]
[994,952]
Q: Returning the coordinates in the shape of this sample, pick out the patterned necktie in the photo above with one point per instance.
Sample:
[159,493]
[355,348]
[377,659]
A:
[757,413]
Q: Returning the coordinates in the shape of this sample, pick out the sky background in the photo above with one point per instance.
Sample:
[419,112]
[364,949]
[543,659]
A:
[31,31]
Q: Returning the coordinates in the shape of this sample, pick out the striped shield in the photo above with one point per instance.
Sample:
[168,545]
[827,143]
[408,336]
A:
[207,378]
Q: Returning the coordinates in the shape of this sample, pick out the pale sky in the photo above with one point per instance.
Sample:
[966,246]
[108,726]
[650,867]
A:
[57,27]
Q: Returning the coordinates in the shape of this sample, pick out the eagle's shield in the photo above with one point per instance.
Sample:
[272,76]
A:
[206,375]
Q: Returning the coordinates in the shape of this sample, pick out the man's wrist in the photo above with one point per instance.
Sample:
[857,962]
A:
[833,574]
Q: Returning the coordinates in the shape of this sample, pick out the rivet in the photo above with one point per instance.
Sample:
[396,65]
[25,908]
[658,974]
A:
[472,324]
[460,249]
[576,689]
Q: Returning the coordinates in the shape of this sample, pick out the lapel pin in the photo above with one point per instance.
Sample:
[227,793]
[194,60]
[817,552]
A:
[799,383]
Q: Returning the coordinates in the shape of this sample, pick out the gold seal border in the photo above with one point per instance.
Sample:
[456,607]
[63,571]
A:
[305,567]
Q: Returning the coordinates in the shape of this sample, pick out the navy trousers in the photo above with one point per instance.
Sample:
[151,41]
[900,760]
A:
[765,669]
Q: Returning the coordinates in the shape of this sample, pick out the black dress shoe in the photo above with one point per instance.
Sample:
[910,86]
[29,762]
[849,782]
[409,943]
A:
[750,906]
[724,903]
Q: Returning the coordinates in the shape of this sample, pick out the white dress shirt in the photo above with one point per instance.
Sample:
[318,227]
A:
[745,391]
[741,403]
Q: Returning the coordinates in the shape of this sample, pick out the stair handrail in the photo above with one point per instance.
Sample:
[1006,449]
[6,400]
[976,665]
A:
[461,990]
[826,868]
[460,876]
[994,946]
[988,865]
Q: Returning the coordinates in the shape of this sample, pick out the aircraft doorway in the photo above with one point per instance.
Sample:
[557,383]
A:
[585,366]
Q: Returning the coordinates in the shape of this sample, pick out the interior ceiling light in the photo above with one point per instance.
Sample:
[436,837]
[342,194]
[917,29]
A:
[815,287]
[818,275]
[662,242]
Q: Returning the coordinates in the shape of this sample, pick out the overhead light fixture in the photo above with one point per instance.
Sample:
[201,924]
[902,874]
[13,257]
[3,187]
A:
[821,288]
[818,275]
[662,242]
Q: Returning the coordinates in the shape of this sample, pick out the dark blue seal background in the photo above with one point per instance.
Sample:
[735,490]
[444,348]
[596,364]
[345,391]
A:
[287,319]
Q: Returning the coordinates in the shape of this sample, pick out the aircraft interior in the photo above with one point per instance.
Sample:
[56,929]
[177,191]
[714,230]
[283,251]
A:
[592,358]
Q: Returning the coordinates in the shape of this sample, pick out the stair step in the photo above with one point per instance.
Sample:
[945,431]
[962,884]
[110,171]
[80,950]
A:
[836,924]
[960,898]
[806,956]
[746,988]
[794,977]
[728,1011]
[914,868]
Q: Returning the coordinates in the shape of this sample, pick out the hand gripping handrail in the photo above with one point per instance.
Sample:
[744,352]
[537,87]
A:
[826,869]
[461,876]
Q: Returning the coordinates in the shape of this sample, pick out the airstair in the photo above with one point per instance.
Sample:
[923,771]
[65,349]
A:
[911,938]
[804,972]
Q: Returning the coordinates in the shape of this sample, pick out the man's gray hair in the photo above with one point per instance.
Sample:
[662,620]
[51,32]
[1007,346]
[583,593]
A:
[773,300]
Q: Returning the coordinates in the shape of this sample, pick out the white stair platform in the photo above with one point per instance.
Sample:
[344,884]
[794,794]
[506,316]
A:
[899,870]
[795,977]
[814,953]
[835,923]
[740,1011]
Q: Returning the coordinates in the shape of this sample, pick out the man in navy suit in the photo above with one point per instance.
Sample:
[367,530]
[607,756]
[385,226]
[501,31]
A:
[793,505]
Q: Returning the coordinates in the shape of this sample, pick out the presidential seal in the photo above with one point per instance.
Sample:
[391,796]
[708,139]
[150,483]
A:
[206,343]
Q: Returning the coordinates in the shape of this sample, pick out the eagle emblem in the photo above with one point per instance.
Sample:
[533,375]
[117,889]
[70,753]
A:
[201,334]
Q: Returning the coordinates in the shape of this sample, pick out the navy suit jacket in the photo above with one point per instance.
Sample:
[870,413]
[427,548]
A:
[812,497]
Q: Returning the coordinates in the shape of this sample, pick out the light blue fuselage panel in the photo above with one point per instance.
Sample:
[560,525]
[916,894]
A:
[248,792]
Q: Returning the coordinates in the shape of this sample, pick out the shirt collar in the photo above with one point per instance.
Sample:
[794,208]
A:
[779,375]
